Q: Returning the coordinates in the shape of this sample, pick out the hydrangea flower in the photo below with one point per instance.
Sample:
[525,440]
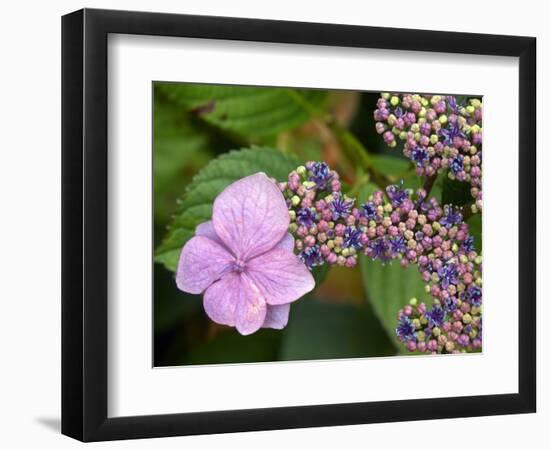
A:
[396,224]
[243,260]
[405,329]
[450,133]
[306,217]
[320,174]
[340,207]
[438,134]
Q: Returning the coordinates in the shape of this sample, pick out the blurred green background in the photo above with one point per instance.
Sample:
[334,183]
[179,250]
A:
[351,312]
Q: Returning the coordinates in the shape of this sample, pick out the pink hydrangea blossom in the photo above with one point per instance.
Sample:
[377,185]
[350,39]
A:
[243,260]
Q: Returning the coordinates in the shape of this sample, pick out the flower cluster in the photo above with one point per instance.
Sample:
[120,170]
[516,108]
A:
[438,133]
[398,225]
[324,221]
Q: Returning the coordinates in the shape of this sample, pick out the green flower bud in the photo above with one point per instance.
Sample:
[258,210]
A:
[476,103]
[292,214]
[466,318]
[433,139]
[475,128]
[413,301]
[394,101]
[301,170]
[295,200]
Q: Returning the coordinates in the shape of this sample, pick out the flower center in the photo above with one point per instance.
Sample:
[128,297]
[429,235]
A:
[238,266]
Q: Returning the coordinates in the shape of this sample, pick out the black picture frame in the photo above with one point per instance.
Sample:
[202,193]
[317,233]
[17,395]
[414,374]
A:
[84,224]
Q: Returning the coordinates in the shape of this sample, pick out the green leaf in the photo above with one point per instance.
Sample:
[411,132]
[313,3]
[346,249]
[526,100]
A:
[389,287]
[171,306]
[474,225]
[179,146]
[196,204]
[455,192]
[255,114]
[391,166]
[365,191]
[319,330]
[320,273]
[230,347]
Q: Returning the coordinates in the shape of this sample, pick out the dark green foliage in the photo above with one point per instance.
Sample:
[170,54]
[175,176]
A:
[254,114]
[319,330]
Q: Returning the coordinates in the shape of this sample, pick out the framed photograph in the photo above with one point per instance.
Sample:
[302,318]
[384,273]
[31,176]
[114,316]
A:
[273,224]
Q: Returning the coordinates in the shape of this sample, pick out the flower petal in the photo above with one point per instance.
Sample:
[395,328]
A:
[221,298]
[286,243]
[202,261]
[250,216]
[206,229]
[276,316]
[251,309]
[280,276]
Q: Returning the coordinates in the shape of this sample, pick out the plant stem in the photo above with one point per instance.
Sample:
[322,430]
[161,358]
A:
[351,146]
[357,153]
[466,211]
[429,183]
